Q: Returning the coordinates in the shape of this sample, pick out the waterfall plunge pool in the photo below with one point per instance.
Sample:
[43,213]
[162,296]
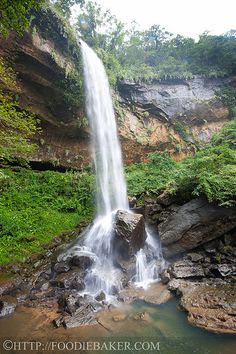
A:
[138,322]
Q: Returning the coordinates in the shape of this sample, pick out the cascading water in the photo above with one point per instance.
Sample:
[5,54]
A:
[149,262]
[107,158]
[111,187]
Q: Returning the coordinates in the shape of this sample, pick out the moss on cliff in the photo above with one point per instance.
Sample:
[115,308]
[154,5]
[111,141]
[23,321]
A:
[66,53]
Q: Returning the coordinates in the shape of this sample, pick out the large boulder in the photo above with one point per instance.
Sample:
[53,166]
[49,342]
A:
[129,233]
[193,224]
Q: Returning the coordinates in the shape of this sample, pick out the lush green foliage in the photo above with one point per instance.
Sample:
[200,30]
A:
[42,205]
[151,177]
[16,126]
[14,15]
[227,94]
[210,172]
[154,53]
[52,25]
[64,6]
[226,136]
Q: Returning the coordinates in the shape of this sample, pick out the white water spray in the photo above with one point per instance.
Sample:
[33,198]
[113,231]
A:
[107,158]
[111,187]
[149,262]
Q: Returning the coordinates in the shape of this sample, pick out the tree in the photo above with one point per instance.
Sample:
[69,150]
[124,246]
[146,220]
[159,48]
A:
[156,36]
[99,28]
[64,6]
[133,52]
[14,15]
[16,126]
[104,33]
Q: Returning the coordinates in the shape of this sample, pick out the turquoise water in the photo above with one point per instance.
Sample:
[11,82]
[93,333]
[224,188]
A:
[169,327]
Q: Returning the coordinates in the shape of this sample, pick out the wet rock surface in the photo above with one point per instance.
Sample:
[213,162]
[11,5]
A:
[130,234]
[205,283]
[186,269]
[70,280]
[210,304]
[84,315]
[176,99]
[156,294]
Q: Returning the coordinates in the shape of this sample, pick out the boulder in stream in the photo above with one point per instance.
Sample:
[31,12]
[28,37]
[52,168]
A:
[84,315]
[129,233]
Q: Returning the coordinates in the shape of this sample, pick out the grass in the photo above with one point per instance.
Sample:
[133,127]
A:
[40,205]
[151,177]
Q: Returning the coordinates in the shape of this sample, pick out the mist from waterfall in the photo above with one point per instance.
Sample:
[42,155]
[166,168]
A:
[111,193]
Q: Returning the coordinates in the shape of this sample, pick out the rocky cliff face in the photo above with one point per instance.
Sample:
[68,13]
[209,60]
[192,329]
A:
[169,116]
[49,77]
[179,99]
[173,115]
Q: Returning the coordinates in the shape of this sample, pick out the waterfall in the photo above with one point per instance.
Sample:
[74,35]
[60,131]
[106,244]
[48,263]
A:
[111,188]
[110,181]
[149,262]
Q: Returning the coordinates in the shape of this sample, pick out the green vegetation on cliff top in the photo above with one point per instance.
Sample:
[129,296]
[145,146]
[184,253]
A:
[14,15]
[127,52]
[155,53]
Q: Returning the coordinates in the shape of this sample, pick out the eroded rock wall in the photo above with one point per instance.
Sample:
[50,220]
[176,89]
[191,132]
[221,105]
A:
[172,115]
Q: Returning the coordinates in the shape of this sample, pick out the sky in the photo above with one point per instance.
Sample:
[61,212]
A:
[187,17]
